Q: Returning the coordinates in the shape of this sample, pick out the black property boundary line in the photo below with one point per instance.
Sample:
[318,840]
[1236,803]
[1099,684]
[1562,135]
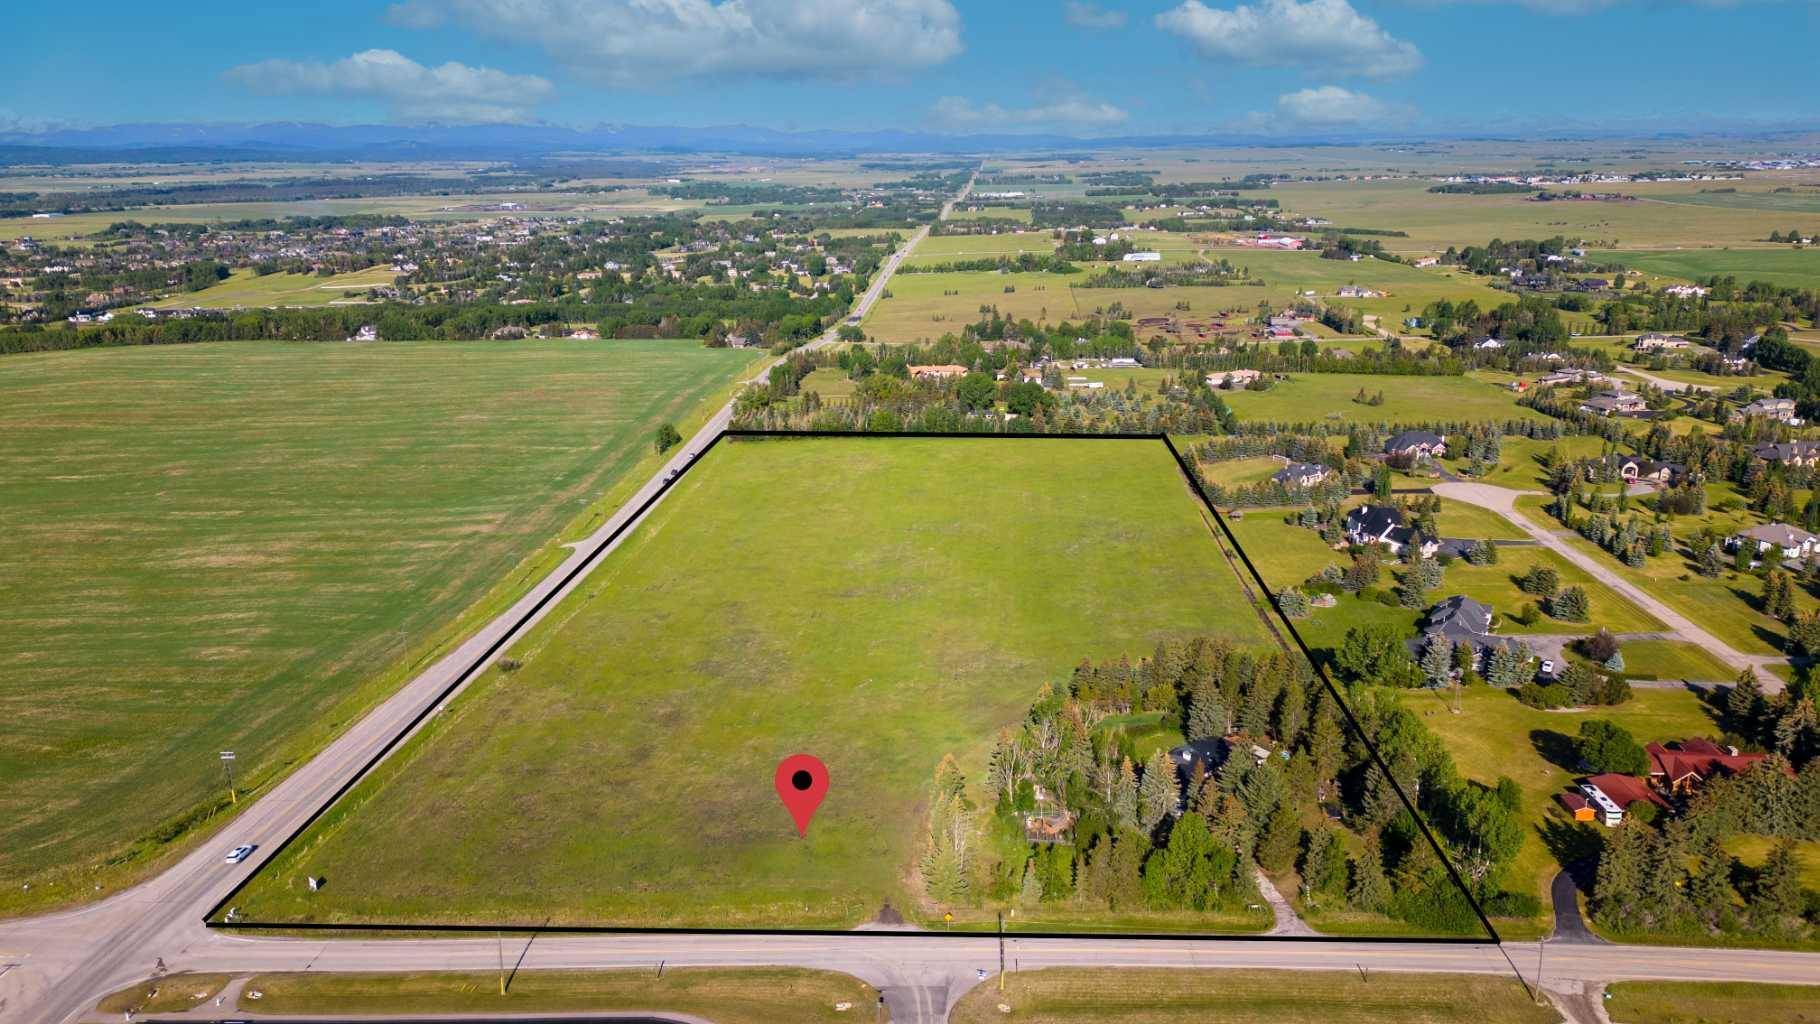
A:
[210,918]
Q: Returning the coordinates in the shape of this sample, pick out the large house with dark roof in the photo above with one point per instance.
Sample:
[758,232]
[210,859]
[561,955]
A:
[1416,444]
[1386,525]
[1460,620]
[1777,540]
[1629,467]
[1616,402]
[1790,453]
[1301,474]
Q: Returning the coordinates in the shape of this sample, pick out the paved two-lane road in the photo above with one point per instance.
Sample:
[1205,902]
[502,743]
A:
[65,961]
[1504,501]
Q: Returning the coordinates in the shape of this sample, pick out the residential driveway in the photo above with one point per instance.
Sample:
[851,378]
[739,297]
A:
[1670,386]
[1504,501]
[1570,927]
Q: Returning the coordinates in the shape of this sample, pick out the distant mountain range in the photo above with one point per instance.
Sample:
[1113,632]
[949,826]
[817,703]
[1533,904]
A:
[302,141]
[298,141]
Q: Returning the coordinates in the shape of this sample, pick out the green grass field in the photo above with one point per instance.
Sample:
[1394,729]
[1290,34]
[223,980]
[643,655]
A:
[173,993]
[1712,1002]
[1316,397]
[1726,605]
[930,305]
[238,546]
[954,248]
[245,288]
[1661,217]
[1287,555]
[478,206]
[1071,995]
[1754,850]
[748,995]
[878,602]
[1782,264]
[1495,735]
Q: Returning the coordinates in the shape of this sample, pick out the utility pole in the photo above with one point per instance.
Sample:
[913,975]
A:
[227,767]
[501,936]
[1540,946]
[1001,951]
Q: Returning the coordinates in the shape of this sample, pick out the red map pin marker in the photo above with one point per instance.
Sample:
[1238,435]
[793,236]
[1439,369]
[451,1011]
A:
[802,781]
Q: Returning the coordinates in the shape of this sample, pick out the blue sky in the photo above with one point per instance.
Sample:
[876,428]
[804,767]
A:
[944,65]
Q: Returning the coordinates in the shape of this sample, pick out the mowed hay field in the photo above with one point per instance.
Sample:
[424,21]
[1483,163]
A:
[209,547]
[246,288]
[1067,995]
[929,305]
[877,602]
[1318,397]
[1781,265]
[1663,214]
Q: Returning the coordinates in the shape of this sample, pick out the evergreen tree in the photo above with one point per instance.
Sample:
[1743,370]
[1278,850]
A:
[1158,792]
[1368,889]
[1712,561]
[1710,895]
[1124,887]
[1664,900]
[1125,798]
[1779,596]
[1292,713]
[1260,702]
[1326,744]
[1775,902]
[1540,581]
[1294,604]
[1744,705]
[1323,866]
[1207,717]
[1277,846]
[1618,888]
[1570,605]
[1437,661]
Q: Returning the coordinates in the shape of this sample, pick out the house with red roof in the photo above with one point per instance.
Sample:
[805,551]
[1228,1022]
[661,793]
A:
[1682,767]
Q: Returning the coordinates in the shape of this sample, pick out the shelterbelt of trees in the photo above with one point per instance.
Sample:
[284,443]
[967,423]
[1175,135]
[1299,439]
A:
[1142,835]
[666,311]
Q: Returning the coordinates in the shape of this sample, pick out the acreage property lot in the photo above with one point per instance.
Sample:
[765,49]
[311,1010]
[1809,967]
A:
[1782,265]
[1318,397]
[1404,287]
[878,602]
[246,288]
[1494,736]
[235,546]
[1662,215]
[957,248]
[931,305]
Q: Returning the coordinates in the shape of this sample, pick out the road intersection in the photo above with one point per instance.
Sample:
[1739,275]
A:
[53,968]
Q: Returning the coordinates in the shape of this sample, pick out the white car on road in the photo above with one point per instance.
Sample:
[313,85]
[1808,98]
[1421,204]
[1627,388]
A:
[240,853]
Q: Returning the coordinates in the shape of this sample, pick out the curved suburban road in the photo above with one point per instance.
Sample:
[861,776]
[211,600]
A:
[54,968]
[1504,501]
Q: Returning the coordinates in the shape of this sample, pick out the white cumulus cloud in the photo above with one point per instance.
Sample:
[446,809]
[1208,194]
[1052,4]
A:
[1330,106]
[1085,15]
[1326,36]
[413,92]
[634,42]
[956,112]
